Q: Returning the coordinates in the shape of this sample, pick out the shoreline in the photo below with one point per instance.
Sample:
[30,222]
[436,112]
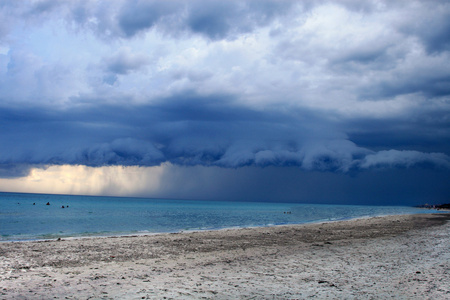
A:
[134,234]
[336,259]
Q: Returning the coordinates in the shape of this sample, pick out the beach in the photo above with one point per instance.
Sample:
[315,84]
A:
[401,257]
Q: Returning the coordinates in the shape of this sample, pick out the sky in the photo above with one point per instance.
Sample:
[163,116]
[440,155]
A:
[251,100]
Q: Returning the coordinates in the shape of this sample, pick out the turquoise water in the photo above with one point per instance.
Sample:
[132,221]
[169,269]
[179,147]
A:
[27,217]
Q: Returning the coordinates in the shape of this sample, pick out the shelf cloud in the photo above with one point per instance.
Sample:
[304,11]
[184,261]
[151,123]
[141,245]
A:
[335,87]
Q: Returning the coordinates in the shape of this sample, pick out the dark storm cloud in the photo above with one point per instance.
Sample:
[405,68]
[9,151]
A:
[43,6]
[124,62]
[219,19]
[213,19]
[431,25]
[292,184]
[426,80]
[136,16]
[14,170]
[275,87]
[191,130]
[419,131]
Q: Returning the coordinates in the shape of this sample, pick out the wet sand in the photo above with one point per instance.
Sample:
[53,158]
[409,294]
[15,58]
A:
[401,257]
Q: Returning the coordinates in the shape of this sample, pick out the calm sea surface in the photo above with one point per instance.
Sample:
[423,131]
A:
[27,217]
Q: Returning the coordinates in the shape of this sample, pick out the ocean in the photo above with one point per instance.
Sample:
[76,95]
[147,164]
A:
[28,217]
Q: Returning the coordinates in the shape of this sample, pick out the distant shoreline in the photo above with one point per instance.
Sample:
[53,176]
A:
[445,206]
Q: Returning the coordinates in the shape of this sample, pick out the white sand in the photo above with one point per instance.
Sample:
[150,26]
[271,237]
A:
[400,257]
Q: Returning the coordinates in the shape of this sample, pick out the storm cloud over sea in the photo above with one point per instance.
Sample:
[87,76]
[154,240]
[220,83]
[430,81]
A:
[316,101]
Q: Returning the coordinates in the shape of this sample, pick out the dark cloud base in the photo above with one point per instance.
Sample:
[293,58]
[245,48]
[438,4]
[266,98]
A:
[291,184]
[204,130]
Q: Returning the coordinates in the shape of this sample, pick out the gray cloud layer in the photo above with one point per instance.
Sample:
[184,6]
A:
[193,130]
[338,86]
